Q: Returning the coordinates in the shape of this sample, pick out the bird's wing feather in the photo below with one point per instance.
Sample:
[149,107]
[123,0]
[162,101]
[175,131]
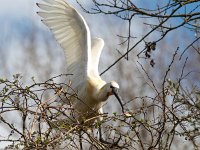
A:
[72,33]
[97,46]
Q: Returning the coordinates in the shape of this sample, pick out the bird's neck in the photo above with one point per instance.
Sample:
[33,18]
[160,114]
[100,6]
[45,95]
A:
[103,94]
[96,88]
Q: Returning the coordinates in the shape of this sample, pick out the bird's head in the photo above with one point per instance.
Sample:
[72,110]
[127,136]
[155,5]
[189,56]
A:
[111,88]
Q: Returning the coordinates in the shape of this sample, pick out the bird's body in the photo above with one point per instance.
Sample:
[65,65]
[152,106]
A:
[82,56]
[87,93]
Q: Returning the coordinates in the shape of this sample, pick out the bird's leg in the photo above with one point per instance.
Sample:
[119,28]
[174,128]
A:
[106,142]
[101,138]
[80,140]
[100,133]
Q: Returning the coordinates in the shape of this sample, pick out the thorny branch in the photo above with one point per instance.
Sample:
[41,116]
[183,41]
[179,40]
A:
[43,125]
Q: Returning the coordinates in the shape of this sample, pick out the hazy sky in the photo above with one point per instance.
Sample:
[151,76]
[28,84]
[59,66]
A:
[17,8]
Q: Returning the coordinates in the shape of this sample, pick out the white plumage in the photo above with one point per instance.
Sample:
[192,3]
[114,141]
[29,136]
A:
[82,56]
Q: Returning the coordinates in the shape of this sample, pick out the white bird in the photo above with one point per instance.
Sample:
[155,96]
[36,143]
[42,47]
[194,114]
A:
[82,55]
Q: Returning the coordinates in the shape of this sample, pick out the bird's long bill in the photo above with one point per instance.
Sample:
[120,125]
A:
[115,92]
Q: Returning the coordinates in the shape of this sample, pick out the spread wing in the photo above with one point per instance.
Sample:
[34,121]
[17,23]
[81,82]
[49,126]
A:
[97,46]
[72,33]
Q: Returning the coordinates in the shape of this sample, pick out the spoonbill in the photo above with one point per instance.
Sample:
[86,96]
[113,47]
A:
[82,58]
